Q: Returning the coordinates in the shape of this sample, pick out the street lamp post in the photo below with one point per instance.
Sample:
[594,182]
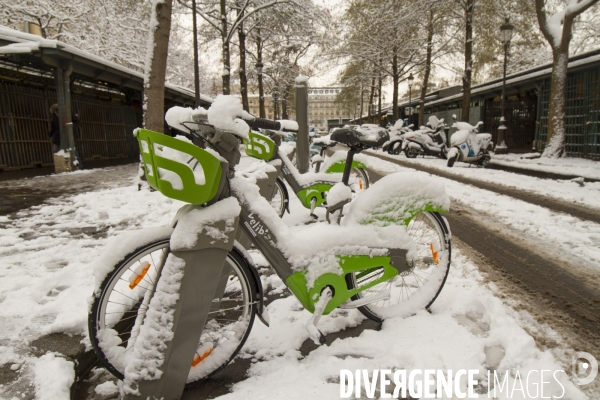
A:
[411,78]
[506,30]
[275,101]
[261,93]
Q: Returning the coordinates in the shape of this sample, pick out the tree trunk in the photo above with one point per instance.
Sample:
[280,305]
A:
[243,79]
[261,90]
[466,104]
[395,92]
[379,85]
[226,73]
[371,96]
[555,139]
[154,84]
[361,103]
[196,72]
[427,69]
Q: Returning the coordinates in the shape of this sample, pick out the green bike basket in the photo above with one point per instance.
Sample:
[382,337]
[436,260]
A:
[179,169]
[259,146]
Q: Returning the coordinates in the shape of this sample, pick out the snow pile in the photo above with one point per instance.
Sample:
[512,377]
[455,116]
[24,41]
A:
[20,48]
[338,193]
[193,220]
[225,113]
[324,140]
[53,377]
[157,329]
[256,169]
[316,248]
[396,197]
[469,328]
[288,125]
[371,132]
[301,79]
[176,115]
[309,178]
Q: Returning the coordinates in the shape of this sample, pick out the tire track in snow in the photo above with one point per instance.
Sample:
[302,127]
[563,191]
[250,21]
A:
[578,211]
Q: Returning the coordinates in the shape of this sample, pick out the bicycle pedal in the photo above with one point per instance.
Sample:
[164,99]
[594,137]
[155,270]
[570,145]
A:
[314,215]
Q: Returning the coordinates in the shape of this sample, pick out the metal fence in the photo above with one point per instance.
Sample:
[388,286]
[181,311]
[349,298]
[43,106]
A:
[520,116]
[104,132]
[582,114]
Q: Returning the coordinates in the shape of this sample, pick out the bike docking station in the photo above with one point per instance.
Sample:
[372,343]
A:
[202,291]
[190,278]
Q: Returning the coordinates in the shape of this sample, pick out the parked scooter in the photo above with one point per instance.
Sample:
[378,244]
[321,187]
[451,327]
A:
[397,133]
[429,140]
[468,145]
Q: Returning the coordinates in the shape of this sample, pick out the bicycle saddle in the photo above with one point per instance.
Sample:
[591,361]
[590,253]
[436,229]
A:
[361,136]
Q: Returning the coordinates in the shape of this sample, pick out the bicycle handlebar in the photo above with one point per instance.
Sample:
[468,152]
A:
[264,124]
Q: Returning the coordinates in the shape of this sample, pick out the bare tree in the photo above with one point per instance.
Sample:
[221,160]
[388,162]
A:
[156,65]
[558,31]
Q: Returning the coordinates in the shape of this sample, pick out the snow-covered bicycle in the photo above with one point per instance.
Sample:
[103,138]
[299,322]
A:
[388,256]
[312,187]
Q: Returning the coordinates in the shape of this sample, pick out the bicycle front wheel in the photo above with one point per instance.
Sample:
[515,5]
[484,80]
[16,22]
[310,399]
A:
[418,287]
[117,314]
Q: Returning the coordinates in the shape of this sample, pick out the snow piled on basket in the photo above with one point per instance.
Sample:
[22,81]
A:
[225,113]
[396,197]
[315,250]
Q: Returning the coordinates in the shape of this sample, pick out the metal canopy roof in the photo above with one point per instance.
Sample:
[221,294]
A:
[29,57]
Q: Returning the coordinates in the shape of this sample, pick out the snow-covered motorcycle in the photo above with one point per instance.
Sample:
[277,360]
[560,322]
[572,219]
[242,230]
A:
[468,145]
[397,133]
[429,140]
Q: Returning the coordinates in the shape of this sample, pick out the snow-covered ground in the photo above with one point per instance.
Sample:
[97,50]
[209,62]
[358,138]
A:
[561,166]
[566,190]
[46,278]
[571,235]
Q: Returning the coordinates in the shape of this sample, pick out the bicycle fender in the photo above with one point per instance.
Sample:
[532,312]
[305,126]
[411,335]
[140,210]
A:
[338,167]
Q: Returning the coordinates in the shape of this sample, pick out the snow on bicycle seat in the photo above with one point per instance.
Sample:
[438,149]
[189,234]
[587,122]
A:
[368,135]
[324,141]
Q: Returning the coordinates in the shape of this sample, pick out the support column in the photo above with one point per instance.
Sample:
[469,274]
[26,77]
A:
[62,76]
[302,119]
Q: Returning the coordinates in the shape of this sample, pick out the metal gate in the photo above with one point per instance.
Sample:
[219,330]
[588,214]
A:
[24,126]
[582,114]
[520,116]
[105,131]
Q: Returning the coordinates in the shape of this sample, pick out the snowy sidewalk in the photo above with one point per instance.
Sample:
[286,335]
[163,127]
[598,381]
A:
[46,280]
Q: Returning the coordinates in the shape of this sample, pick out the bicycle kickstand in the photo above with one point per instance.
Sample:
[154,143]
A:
[311,326]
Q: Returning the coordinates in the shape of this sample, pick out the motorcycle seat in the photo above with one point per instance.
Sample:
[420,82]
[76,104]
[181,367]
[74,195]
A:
[361,137]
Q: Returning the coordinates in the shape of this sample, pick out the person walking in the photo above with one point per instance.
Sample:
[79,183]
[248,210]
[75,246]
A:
[54,133]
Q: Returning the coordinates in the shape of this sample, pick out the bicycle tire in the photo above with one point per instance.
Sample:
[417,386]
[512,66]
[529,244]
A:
[359,180]
[281,199]
[114,359]
[401,284]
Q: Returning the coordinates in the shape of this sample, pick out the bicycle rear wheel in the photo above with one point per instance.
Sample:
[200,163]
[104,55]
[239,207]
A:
[117,313]
[280,198]
[358,180]
[417,288]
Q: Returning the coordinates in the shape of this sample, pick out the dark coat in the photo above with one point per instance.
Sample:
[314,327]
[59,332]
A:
[55,130]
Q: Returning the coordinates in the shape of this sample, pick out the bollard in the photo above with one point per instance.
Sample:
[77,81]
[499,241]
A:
[302,119]
[190,280]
